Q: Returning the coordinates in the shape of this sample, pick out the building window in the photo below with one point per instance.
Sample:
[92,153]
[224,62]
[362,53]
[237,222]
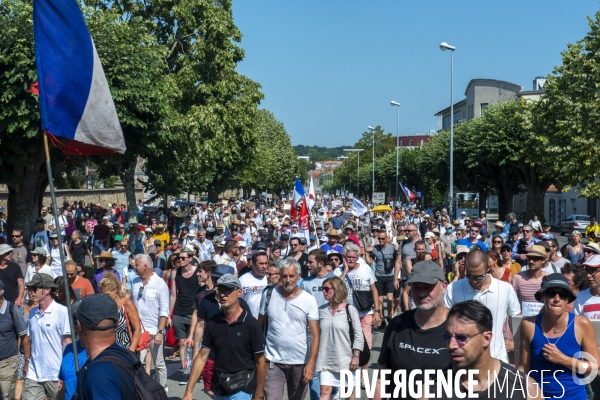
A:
[422,141]
[484,106]
[410,142]
[551,208]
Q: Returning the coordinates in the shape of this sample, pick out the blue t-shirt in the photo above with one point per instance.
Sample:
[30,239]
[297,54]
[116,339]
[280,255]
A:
[67,372]
[466,242]
[106,381]
[328,249]
[121,262]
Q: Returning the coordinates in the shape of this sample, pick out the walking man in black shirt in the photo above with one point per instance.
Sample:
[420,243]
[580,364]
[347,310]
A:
[181,302]
[12,276]
[413,340]
[469,336]
[241,360]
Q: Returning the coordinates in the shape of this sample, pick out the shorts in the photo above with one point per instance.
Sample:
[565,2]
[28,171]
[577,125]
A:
[398,292]
[384,284]
[207,373]
[365,324]
[181,325]
[328,378]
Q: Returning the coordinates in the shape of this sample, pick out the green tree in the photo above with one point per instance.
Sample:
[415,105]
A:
[568,115]
[275,164]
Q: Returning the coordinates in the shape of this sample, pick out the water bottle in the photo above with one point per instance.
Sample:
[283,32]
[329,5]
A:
[187,360]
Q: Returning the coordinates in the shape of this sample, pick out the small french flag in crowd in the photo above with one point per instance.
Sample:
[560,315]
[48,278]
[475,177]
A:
[296,198]
[75,99]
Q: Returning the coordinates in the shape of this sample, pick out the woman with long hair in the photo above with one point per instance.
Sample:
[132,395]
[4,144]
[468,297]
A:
[496,269]
[60,295]
[129,326]
[497,243]
[342,349]
[275,253]
[39,256]
[172,263]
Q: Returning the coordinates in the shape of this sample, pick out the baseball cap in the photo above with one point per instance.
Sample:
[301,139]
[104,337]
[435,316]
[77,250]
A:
[426,272]
[302,240]
[152,249]
[41,280]
[514,230]
[241,243]
[40,221]
[230,281]
[284,237]
[40,250]
[95,308]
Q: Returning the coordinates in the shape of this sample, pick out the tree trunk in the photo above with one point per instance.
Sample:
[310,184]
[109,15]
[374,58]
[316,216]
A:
[127,176]
[25,202]
[506,185]
[536,191]
[213,197]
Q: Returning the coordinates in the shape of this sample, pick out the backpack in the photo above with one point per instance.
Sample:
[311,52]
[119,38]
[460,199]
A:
[146,388]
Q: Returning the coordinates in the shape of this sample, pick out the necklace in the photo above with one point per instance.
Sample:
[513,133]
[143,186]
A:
[555,330]
[91,355]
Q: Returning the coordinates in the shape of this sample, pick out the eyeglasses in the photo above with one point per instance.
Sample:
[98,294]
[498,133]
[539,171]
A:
[380,239]
[141,293]
[474,230]
[461,340]
[17,235]
[327,289]
[497,241]
[591,271]
[588,251]
[551,293]
[526,230]
[476,277]
[71,275]
[223,290]
[183,258]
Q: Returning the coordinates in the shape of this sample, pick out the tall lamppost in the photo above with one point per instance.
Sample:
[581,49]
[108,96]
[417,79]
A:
[373,136]
[445,46]
[358,169]
[397,105]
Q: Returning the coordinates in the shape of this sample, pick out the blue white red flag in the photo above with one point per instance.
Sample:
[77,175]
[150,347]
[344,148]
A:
[303,225]
[75,99]
[409,195]
[296,198]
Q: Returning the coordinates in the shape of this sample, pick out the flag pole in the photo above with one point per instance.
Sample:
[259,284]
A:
[61,250]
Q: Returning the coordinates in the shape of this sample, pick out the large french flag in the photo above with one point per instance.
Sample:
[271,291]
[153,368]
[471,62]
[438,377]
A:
[75,99]
[296,198]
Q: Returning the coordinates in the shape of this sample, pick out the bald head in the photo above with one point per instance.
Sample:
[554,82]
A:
[475,260]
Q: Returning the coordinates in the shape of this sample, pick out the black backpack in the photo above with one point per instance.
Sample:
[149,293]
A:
[146,388]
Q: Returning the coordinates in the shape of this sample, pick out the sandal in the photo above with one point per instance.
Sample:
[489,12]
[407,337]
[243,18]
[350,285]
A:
[174,355]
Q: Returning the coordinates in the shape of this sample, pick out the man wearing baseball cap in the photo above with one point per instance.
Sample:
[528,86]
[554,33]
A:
[588,301]
[49,332]
[413,340]
[100,377]
[232,357]
[206,306]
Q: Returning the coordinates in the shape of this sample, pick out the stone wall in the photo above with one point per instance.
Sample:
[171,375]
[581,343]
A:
[96,196]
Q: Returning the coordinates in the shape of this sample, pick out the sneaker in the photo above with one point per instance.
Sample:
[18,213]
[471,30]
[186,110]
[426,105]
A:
[184,379]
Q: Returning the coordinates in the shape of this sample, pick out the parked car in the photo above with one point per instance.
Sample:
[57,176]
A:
[574,222]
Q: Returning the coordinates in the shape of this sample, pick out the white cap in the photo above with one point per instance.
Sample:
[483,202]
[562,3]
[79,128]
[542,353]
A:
[429,235]
[241,243]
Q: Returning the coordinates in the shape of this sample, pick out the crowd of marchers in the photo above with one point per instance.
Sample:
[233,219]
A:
[259,306]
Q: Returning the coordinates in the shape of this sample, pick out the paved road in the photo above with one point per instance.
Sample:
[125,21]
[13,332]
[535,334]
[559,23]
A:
[174,373]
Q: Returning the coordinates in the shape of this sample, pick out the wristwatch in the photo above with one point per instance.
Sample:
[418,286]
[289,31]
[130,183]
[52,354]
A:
[377,311]
[162,332]
[356,355]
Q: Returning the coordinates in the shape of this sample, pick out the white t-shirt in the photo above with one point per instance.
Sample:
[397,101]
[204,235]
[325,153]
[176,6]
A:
[500,298]
[153,303]
[588,305]
[252,289]
[287,340]
[63,221]
[362,278]
[44,270]
[46,332]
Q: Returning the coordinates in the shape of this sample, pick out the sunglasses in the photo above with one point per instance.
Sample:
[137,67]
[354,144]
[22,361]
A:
[497,241]
[526,230]
[461,340]
[591,271]
[551,293]
[327,289]
[141,293]
[476,277]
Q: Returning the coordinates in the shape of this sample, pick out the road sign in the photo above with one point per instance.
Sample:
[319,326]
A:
[378,197]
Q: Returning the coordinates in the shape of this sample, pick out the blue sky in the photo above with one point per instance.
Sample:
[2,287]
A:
[329,68]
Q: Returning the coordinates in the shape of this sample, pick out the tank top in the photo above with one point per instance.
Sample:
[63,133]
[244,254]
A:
[122,330]
[575,258]
[505,275]
[186,290]
[561,380]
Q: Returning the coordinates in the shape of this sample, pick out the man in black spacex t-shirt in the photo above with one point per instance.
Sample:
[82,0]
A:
[414,339]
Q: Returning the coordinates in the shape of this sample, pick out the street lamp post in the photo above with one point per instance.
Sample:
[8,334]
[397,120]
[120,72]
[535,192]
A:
[373,136]
[396,104]
[358,169]
[445,46]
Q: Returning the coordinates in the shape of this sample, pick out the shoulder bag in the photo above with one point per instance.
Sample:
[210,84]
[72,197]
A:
[362,299]
[365,354]
[145,338]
